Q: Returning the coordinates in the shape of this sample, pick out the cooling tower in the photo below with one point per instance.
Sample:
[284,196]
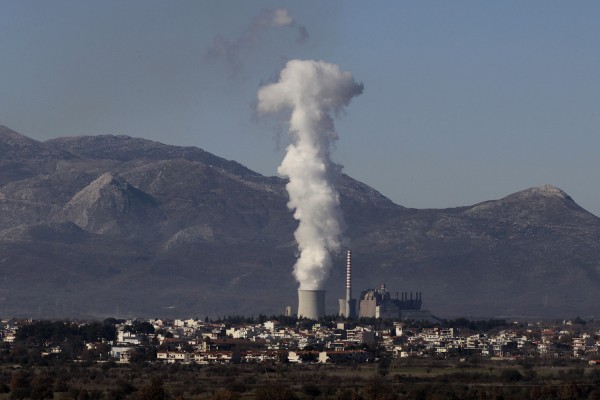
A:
[311,304]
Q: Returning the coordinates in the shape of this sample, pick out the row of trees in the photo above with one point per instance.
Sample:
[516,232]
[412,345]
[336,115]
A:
[51,333]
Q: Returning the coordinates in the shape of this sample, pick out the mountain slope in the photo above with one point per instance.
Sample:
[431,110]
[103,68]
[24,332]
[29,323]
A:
[22,157]
[531,253]
[105,225]
[110,205]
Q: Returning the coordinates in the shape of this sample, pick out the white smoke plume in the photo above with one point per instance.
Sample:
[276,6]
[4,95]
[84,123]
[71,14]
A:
[231,50]
[314,91]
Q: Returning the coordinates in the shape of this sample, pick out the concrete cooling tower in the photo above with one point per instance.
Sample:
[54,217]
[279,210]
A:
[311,304]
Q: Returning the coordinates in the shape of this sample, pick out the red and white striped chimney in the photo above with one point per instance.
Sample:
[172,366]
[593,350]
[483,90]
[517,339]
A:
[348,276]
[349,270]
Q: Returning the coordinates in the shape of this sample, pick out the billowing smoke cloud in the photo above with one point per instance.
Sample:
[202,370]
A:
[314,91]
[231,50]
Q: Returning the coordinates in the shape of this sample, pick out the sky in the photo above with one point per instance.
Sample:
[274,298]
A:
[463,101]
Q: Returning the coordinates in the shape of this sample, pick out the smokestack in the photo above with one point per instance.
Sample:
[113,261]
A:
[311,304]
[348,275]
[350,302]
[348,305]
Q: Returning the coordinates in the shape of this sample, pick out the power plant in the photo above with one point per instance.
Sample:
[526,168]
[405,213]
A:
[378,303]
[374,303]
[311,304]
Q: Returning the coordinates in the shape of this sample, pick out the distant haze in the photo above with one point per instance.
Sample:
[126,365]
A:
[466,101]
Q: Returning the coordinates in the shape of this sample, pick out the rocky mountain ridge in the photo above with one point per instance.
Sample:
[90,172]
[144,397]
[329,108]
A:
[114,225]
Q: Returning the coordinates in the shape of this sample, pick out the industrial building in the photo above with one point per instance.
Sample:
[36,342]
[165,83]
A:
[378,303]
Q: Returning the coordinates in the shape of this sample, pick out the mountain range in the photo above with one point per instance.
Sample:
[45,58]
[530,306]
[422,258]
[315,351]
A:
[97,226]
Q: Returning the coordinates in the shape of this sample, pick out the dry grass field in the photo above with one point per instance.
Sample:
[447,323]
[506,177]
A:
[403,379]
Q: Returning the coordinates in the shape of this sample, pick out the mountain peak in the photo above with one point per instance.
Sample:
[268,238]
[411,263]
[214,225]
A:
[22,157]
[545,192]
[106,185]
[108,204]
[11,141]
[9,136]
[109,178]
[546,199]
[548,191]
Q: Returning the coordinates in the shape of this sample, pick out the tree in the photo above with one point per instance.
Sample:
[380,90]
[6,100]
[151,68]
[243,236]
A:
[41,387]
[83,395]
[311,390]
[20,385]
[155,390]
[511,375]
[594,395]
[568,392]
[274,392]
[377,388]
[383,366]
[143,327]
[224,394]
[347,394]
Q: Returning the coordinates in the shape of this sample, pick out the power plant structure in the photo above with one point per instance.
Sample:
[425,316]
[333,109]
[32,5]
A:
[311,304]
[379,304]
[373,303]
[348,305]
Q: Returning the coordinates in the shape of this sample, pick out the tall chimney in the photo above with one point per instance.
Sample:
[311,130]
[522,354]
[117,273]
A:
[348,305]
[350,302]
[348,275]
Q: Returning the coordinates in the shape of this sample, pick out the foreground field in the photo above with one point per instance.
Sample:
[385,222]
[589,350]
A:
[406,379]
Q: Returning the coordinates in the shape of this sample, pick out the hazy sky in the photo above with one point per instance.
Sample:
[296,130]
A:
[464,101]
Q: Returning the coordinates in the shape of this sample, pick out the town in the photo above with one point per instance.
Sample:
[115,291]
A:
[283,357]
[296,341]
